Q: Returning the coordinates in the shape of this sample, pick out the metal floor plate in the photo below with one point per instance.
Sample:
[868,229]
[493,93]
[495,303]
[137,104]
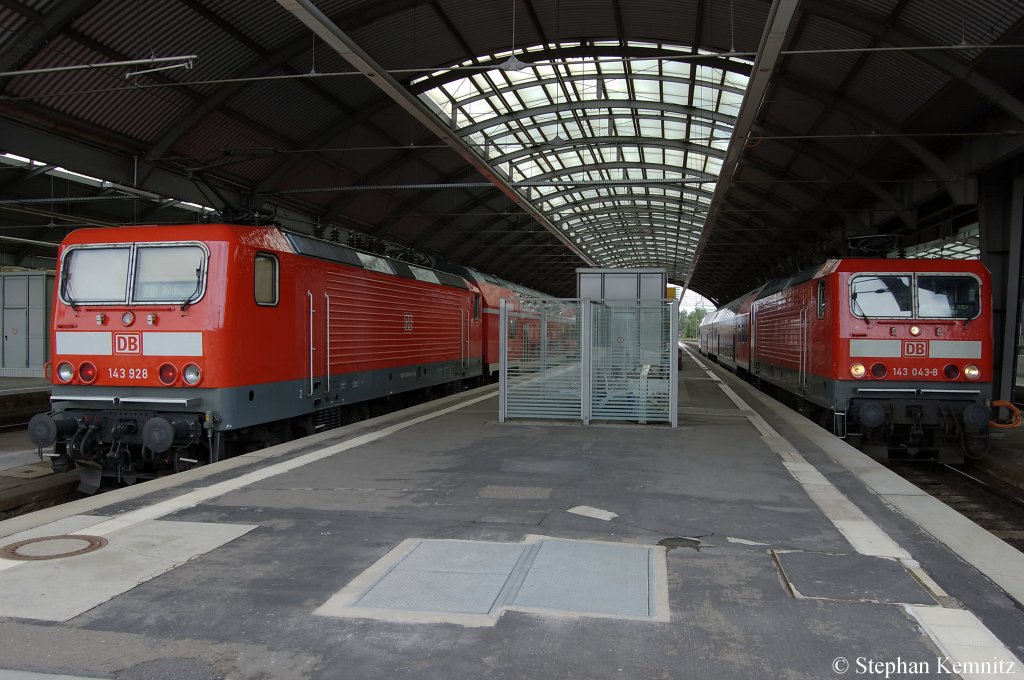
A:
[473,582]
[854,578]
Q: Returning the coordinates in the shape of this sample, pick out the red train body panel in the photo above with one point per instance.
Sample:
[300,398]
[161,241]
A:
[899,350]
[182,343]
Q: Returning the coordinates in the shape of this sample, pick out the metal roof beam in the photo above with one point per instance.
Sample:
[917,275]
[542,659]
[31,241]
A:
[312,17]
[780,19]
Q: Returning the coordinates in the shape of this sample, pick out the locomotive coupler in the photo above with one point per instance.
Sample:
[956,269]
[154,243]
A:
[916,431]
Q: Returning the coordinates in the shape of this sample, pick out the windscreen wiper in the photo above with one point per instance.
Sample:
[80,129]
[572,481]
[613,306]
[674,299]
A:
[194,293]
[65,288]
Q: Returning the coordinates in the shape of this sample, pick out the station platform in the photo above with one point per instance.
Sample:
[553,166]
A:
[436,543]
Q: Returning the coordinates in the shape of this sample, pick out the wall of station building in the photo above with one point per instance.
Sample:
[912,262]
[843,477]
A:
[26,312]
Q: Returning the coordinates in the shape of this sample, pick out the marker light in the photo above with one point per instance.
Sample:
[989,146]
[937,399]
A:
[971,372]
[858,371]
[87,372]
[951,371]
[127,318]
[65,372]
[168,374]
[915,330]
[192,374]
[878,371]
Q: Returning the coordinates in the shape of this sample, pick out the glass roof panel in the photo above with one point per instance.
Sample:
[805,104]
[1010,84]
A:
[619,152]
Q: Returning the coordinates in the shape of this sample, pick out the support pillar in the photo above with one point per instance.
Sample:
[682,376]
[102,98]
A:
[1001,221]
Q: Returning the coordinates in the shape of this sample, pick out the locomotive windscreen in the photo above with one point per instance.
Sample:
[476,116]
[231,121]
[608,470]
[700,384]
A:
[902,296]
[948,297]
[157,272]
[95,274]
[882,295]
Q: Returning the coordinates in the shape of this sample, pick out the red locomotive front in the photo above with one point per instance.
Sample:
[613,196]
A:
[913,358]
[896,352]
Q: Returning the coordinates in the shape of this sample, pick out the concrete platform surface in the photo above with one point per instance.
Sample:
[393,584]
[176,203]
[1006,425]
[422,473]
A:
[436,543]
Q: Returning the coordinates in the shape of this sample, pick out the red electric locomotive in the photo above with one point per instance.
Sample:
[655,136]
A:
[898,351]
[178,345]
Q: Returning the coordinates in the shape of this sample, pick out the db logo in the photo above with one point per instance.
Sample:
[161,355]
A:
[127,343]
[915,348]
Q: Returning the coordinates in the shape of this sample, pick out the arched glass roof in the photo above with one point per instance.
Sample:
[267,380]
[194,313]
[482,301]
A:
[620,153]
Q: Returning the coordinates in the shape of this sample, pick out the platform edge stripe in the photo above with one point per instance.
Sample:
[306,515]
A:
[105,526]
[948,628]
[1006,570]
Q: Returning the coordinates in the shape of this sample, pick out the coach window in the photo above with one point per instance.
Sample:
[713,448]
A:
[821,299]
[266,282]
[476,306]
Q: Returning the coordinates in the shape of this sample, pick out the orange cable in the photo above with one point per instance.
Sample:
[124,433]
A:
[1015,416]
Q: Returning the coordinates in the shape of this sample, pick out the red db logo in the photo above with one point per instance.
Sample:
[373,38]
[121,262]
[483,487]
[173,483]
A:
[915,348]
[127,343]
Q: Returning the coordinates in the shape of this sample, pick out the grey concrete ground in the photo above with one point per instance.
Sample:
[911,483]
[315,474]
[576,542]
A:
[771,587]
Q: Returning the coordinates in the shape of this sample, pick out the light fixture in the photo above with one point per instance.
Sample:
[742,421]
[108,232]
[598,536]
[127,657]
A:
[915,331]
[187,65]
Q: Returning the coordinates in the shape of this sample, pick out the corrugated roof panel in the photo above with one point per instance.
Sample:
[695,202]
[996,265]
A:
[98,96]
[824,70]
[14,23]
[217,132]
[289,106]
[897,82]
[402,41]
[954,22]
[740,25]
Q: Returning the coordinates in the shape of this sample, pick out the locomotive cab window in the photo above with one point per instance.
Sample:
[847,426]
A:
[143,273]
[821,299]
[266,280]
[169,274]
[95,275]
[948,297]
[885,296]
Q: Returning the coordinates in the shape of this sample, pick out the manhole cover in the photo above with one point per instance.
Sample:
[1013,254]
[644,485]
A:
[52,547]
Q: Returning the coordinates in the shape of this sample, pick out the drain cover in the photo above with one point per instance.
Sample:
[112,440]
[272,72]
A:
[52,547]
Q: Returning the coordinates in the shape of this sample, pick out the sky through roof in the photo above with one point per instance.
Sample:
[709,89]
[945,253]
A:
[620,153]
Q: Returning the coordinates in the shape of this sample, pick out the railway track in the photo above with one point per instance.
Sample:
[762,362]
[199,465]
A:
[988,502]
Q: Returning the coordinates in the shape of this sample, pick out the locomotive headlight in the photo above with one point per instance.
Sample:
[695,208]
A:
[915,331]
[858,371]
[127,318]
[971,372]
[192,374]
[65,372]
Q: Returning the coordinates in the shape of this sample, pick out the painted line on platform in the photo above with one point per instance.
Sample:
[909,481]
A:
[957,632]
[197,496]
